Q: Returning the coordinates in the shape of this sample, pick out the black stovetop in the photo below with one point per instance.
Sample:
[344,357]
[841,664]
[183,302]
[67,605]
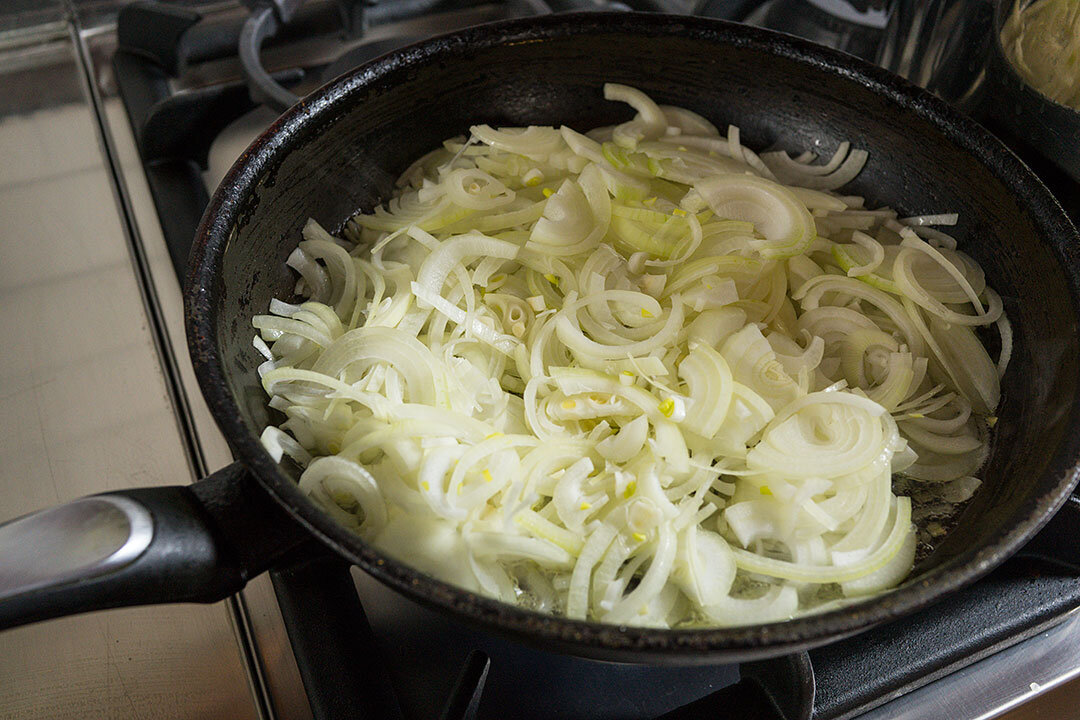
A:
[364,651]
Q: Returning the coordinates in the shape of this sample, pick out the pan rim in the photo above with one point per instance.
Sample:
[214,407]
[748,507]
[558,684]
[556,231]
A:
[591,638]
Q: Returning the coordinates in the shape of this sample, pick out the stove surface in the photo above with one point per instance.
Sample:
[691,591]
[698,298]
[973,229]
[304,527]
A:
[94,307]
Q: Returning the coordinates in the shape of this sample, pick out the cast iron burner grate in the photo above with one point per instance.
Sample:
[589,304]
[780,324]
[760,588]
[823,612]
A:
[365,652]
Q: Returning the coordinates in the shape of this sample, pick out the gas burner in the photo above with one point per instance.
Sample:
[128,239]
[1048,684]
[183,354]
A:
[269,16]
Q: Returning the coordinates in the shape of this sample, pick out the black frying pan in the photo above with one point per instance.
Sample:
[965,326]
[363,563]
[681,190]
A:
[341,148]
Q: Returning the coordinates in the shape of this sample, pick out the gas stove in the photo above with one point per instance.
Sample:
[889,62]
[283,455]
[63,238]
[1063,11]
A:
[176,93]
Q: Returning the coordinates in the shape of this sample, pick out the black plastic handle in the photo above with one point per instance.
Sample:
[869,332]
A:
[139,547]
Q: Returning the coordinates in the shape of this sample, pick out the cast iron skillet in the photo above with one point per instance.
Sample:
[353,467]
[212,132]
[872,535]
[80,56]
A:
[340,150]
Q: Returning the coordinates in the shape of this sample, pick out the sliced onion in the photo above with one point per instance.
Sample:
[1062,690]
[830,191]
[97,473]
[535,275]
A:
[533,141]
[754,364]
[577,596]
[704,567]
[873,562]
[778,603]
[776,213]
[330,478]
[633,377]
[974,372]
[822,434]
[840,170]
[650,122]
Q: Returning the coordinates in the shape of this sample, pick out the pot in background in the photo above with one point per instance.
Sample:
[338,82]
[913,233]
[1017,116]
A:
[1049,127]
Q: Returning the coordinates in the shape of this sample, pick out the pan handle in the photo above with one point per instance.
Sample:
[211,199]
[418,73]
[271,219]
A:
[138,547]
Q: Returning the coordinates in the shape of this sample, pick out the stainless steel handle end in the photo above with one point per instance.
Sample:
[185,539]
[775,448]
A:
[86,538]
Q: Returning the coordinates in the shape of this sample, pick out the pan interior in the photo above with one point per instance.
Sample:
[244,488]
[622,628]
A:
[345,158]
